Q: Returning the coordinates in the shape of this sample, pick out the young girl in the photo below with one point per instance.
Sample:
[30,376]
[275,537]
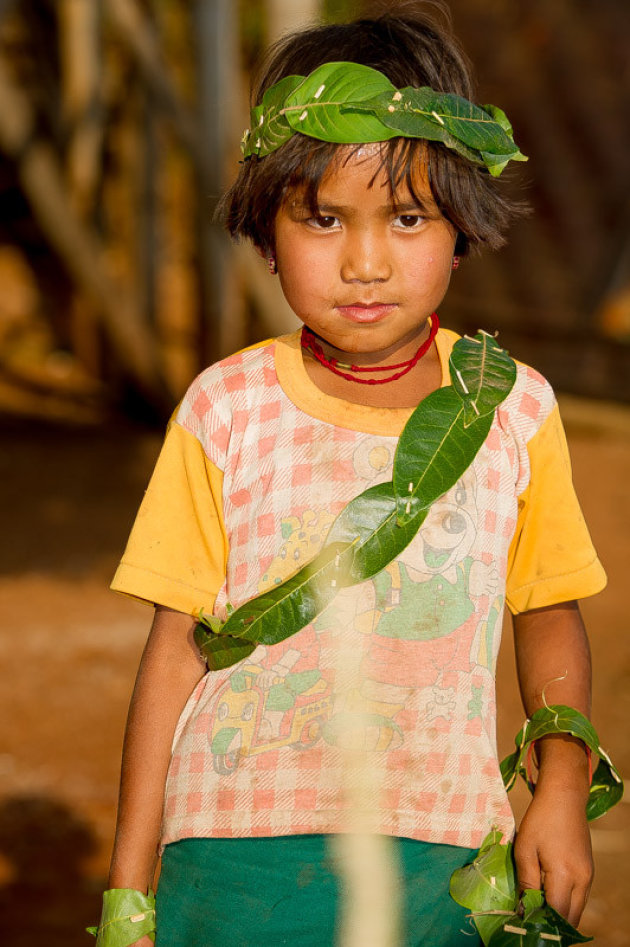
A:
[237,775]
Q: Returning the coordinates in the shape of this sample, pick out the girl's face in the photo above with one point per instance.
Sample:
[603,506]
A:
[364,273]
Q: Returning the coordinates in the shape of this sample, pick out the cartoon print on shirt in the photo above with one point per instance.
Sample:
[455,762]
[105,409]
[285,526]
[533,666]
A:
[421,620]
[373,459]
[282,700]
[303,538]
[417,623]
[441,703]
[259,710]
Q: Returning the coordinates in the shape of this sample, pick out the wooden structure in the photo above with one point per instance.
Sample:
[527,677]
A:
[117,137]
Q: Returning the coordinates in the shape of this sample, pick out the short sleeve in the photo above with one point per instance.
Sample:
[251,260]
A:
[551,557]
[177,551]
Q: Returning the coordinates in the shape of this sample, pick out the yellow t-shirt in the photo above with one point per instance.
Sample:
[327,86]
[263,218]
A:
[255,467]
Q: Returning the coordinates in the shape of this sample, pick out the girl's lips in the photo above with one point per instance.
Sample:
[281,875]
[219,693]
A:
[357,312]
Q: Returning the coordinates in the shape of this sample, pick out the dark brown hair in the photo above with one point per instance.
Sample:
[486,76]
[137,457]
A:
[409,51]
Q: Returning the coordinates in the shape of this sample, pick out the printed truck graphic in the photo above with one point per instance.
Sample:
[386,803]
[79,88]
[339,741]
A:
[256,713]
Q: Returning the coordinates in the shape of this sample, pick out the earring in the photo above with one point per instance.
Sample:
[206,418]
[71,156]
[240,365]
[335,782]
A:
[456,261]
[273,266]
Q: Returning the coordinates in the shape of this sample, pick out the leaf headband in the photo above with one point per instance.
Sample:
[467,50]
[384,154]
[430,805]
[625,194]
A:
[346,103]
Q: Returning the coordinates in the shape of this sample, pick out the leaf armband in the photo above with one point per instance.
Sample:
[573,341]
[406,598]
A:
[606,785]
[127,916]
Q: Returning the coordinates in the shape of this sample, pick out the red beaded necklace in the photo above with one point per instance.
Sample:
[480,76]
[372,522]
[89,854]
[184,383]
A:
[310,342]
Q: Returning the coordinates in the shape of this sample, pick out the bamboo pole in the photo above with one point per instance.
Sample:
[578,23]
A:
[218,82]
[75,243]
[81,77]
[79,41]
[141,41]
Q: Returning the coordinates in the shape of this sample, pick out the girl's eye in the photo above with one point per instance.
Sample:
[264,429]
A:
[409,221]
[323,222]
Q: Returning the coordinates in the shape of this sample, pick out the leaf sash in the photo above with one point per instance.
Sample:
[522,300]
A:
[437,445]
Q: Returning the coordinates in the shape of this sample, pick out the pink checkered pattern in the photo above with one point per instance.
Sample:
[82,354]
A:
[257,749]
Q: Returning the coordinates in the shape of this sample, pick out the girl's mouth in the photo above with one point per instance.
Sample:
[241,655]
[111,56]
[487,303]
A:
[366,313]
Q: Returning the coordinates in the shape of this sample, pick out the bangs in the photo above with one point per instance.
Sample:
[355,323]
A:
[463,193]
[401,162]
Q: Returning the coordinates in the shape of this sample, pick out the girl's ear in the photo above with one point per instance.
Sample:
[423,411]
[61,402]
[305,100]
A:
[270,258]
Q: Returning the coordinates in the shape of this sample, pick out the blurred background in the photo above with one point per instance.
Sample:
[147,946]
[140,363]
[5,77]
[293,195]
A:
[120,122]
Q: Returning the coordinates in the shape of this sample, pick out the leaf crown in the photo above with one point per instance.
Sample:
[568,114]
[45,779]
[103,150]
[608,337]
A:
[347,103]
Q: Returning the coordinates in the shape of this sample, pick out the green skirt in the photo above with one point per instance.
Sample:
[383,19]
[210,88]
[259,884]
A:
[266,892]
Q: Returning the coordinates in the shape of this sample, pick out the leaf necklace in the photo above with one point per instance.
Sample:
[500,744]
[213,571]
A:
[310,343]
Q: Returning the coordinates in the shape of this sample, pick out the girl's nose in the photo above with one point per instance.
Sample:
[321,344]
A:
[365,260]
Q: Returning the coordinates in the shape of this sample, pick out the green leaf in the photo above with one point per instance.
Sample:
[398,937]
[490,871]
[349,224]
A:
[606,788]
[487,885]
[221,651]
[348,103]
[447,429]
[531,900]
[285,609]
[496,163]
[500,118]
[546,915]
[269,127]
[482,374]
[213,622]
[372,520]
[536,925]
[316,106]
[127,916]
[363,539]
[607,785]
[487,888]
[434,449]
[462,126]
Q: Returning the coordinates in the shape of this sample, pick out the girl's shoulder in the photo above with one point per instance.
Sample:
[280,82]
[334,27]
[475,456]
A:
[243,372]
[531,400]
[237,370]
[224,393]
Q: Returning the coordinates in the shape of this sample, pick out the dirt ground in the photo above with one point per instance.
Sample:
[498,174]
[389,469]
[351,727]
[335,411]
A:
[69,649]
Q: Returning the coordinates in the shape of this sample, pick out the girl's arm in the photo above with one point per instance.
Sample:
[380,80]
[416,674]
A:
[553,847]
[169,670]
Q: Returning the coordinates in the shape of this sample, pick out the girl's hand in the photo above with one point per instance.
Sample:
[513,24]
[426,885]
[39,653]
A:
[143,942]
[553,847]
[552,850]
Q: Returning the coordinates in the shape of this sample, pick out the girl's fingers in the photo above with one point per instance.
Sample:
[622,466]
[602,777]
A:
[579,897]
[527,870]
[559,895]
[567,898]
